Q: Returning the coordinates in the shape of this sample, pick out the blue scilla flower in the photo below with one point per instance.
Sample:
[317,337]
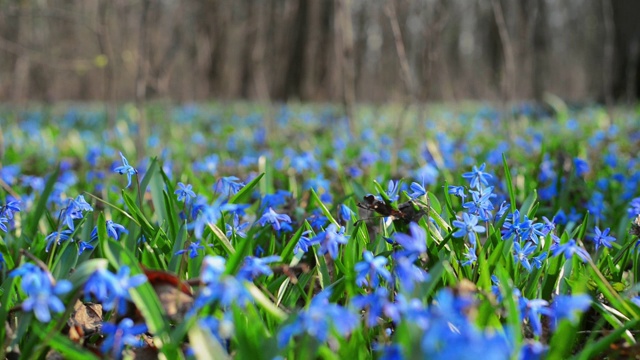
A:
[602,238]
[568,306]
[42,293]
[478,177]
[471,257]
[111,289]
[480,203]
[532,310]
[522,253]
[373,268]
[9,209]
[377,303]
[254,267]
[74,210]
[330,239]
[414,244]
[392,190]
[457,191]
[407,273]
[185,192]
[345,213]
[318,319]
[192,249]
[209,215]
[571,248]
[581,166]
[212,269]
[273,218]
[634,208]
[114,231]
[533,350]
[3,222]
[274,200]
[118,336]
[57,237]
[228,185]
[468,227]
[417,190]
[126,169]
[236,227]
[225,291]
[304,243]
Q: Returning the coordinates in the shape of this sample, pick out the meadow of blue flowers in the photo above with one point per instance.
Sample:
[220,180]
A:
[237,231]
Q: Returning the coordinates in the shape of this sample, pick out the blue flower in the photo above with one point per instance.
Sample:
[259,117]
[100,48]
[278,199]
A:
[471,257]
[378,304]
[228,185]
[533,350]
[538,260]
[42,293]
[457,191]
[571,248]
[3,227]
[57,237]
[372,267]
[344,212]
[74,210]
[581,166]
[481,203]
[602,238]
[273,218]
[417,190]
[114,231]
[415,244]
[113,289]
[568,306]
[118,336]
[392,190]
[477,177]
[514,228]
[304,243]
[522,254]
[236,228]
[468,226]
[408,273]
[330,239]
[185,192]
[82,246]
[254,267]
[193,249]
[126,169]
[226,291]
[634,208]
[531,310]
[7,210]
[275,200]
[318,319]
[209,215]
[212,269]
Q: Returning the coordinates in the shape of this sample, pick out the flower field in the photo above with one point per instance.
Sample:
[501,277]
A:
[233,231]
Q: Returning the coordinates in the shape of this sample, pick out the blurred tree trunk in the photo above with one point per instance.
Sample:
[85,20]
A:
[344,30]
[22,64]
[626,82]
[296,65]
[539,49]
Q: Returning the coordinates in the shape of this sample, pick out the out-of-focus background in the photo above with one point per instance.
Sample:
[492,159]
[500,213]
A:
[319,50]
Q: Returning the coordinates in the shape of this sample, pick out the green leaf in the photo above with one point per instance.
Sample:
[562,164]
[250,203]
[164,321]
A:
[510,188]
[5,305]
[324,209]
[35,215]
[244,194]
[205,346]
